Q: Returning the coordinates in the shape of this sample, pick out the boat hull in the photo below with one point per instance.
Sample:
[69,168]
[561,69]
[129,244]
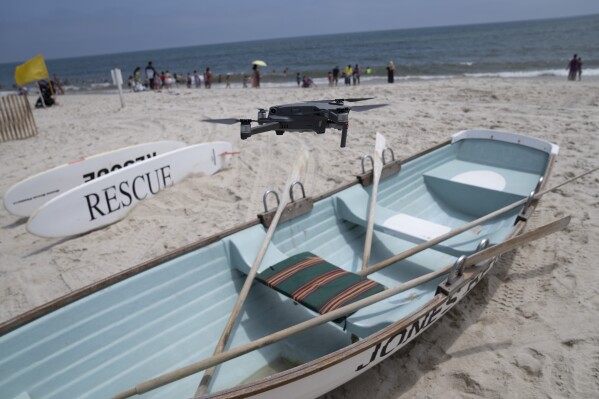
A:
[167,313]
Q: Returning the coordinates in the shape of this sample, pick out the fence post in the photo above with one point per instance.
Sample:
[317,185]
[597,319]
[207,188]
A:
[16,118]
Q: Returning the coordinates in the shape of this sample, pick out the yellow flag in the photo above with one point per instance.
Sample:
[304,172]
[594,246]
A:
[32,70]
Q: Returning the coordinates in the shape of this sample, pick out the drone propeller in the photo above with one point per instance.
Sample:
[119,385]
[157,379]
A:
[342,100]
[227,121]
[360,108]
[353,100]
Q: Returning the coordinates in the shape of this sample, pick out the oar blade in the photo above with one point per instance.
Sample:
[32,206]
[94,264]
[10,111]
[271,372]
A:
[518,241]
[376,174]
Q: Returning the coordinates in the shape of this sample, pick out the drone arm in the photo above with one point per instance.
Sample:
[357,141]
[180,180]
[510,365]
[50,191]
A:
[266,127]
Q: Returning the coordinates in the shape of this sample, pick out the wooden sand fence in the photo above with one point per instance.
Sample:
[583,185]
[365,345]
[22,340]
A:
[16,118]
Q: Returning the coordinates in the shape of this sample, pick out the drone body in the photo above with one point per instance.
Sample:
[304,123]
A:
[314,116]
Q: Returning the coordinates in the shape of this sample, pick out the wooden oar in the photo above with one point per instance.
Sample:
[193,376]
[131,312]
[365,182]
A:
[298,170]
[520,240]
[335,314]
[467,226]
[377,167]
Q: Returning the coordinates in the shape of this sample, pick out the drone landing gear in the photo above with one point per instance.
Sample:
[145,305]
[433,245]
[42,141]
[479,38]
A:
[343,136]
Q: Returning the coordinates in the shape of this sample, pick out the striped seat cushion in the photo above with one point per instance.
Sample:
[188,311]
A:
[317,284]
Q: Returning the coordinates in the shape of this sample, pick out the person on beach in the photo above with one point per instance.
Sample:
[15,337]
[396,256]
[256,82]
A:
[330,77]
[168,80]
[390,72]
[348,74]
[255,76]
[336,75]
[228,81]
[150,75]
[197,79]
[208,78]
[137,75]
[298,79]
[45,95]
[307,82]
[579,68]
[368,71]
[61,90]
[356,75]
[573,67]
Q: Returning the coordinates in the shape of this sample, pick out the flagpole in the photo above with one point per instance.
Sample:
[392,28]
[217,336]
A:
[50,83]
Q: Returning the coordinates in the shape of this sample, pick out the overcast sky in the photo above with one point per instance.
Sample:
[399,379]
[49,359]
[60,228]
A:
[70,28]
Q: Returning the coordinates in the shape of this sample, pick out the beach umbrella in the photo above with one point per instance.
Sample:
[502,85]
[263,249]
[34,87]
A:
[259,62]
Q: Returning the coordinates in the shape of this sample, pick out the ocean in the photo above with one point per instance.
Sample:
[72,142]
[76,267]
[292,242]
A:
[504,50]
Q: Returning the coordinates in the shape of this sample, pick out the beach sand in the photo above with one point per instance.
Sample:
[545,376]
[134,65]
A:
[528,330]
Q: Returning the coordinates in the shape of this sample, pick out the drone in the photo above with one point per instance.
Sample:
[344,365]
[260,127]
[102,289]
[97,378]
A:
[311,116]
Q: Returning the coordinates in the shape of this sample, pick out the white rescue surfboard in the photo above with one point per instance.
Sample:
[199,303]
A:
[25,197]
[109,198]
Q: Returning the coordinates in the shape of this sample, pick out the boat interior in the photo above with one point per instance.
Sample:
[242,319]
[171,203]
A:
[173,314]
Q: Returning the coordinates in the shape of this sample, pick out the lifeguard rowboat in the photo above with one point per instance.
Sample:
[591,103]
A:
[168,313]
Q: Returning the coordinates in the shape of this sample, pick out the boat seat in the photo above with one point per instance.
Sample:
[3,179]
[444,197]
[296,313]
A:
[322,287]
[476,189]
[310,281]
[317,284]
[351,206]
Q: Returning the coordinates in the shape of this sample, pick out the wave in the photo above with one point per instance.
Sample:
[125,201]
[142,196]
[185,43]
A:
[290,82]
[532,74]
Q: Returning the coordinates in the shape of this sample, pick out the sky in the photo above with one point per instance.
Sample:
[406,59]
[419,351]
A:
[72,28]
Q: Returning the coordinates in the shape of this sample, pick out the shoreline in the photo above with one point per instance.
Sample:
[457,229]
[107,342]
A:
[525,325]
[108,88]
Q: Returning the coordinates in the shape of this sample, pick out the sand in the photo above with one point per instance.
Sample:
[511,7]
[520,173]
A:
[528,330]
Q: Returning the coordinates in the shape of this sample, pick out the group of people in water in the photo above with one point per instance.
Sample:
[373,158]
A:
[575,68]
[152,80]
[350,75]
[156,81]
[198,80]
